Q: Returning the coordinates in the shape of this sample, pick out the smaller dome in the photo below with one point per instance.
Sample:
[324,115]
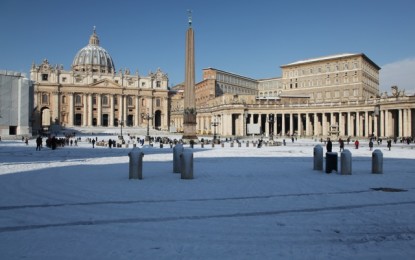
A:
[93,58]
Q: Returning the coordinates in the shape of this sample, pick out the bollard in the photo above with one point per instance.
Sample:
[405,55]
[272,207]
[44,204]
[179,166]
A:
[346,162]
[331,162]
[202,145]
[136,164]
[247,144]
[239,144]
[377,161]
[222,144]
[186,160]
[231,144]
[213,144]
[177,150]
[318,158]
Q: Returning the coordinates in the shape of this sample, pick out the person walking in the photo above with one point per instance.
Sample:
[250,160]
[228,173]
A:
[38,143]
[341,143]
[356,144]
[93,143]
[389,144]
[370,144]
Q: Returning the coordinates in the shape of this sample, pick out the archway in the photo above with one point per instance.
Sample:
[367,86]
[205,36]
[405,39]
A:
[157,120]
[45,118]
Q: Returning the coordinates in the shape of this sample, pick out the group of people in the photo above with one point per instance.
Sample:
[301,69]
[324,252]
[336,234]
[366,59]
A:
[329,144]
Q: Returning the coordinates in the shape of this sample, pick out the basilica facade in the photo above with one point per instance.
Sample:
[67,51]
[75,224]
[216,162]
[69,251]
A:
[92,93]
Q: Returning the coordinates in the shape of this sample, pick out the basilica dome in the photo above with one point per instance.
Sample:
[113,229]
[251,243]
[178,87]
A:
[93,58]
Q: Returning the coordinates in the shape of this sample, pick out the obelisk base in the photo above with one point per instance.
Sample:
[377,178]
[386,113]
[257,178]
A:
[190,133]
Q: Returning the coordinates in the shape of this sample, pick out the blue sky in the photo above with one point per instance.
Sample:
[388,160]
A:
[250,38]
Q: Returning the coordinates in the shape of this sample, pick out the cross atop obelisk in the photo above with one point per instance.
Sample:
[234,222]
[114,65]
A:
[189,113]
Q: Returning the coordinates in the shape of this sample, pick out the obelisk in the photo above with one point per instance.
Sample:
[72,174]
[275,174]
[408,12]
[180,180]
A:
[189,113]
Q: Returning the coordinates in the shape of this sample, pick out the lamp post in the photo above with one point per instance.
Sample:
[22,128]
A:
[271,128]
[148,118]
[121,125]
[215,123]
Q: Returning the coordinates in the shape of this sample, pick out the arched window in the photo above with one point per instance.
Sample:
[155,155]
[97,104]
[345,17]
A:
[130,101]
[78,99]
[63,99]
[105,100]
[158,102]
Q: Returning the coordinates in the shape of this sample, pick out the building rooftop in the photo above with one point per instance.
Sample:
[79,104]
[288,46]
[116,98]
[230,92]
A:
[330,57]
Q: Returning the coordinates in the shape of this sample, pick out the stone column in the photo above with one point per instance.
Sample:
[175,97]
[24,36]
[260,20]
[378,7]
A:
[382,123]
[358,133]
[291,124]
[71,106]
[90,110]
[299,125]
[324,124]
[349,124]
[387,133]
[400,123]
[367,130]
[375,125]
[283,124]
[316,129]
[341,124]
[56,108]
[125,109]
[409,121]
[136,111]
[111,116]
[307,124]
[266,125]
[99,110]
[85,112]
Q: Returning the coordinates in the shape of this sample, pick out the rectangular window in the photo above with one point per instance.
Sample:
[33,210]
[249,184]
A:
[346,93]
[63,79]
[355,92]
[158,84]
[45,77]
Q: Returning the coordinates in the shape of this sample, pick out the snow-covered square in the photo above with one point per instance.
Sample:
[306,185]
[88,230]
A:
[77,202]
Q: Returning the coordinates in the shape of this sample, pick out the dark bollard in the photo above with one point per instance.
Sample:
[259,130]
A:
[318,158]
[331,162]
[377,161]
[177,150]
[186,160]
[136,164]
[346,162]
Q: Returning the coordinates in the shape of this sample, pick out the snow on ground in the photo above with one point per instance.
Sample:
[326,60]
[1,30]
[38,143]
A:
[244,203]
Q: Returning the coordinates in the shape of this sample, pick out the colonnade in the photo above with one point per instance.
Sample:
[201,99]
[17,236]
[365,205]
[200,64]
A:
[381,122]
[87,112]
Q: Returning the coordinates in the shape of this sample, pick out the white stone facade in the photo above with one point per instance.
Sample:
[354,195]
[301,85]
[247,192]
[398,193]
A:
[93,94]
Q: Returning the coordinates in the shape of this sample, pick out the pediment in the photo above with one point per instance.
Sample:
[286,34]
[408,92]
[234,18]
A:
[105,83]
